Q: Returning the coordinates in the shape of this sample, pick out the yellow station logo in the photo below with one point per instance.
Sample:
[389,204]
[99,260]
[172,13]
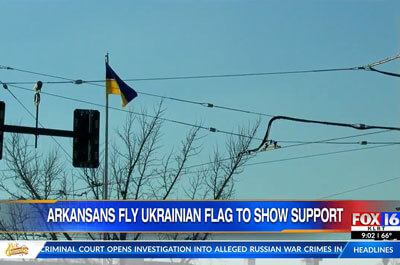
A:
[14,249]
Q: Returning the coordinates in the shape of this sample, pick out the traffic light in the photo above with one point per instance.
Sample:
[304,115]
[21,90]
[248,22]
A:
[2,112]
[86,138]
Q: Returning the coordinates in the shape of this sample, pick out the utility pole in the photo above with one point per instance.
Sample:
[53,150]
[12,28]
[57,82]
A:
[36,100]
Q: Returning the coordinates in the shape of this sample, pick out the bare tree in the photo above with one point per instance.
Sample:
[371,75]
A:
[216,180]
[140,168]
[31,176]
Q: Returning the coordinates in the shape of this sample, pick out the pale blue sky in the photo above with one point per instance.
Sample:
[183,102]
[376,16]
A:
[168,38]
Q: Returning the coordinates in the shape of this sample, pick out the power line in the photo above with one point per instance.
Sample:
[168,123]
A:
[338,143]
[296,145]
[284,160]
[203,104]
[163,78]
[288,159]
[299,144]
[332,195]
[235,75]
[242,75]
[337,138]
[291,158]
[303,157]
[80,81]
[209,128]
[32,72]
[212,129]
[30,113]
[365,67]
[319,154]
[368,67]
[361,187]
[296,157]
[265,143]
[302,144]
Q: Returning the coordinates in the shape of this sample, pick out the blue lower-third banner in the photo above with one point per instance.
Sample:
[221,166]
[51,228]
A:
[198,249]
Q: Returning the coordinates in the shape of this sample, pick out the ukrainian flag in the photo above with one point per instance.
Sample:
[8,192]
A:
[115,85]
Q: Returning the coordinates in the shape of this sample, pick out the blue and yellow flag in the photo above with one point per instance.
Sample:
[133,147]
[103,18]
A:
[115,85]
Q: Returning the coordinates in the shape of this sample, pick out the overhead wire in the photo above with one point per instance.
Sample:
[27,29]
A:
[319,154]
[295,157]
[276,161]
[73,81]
[298,143]
[369,67]
[327,154]
[361,187]
[337,138]
[163,78]
[199,103]
[303,157]
[302,144]
[212,129]
[266,142]
[281,160]
[338,143]
[80,81]
[32,72]
[68,80]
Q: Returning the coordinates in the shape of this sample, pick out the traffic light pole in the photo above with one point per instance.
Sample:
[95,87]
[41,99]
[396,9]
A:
[85,148]
[36,101]
[37,131]
[37,122]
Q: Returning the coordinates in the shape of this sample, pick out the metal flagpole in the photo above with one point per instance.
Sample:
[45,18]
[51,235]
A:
[105,175]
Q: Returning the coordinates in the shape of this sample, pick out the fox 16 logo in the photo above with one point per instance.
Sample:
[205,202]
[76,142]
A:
[376,219]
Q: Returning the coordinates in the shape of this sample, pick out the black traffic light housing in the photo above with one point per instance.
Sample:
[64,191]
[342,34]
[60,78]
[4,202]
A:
[86,138]
[85,135]
[2,114]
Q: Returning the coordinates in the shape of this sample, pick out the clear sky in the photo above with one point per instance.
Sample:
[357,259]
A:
[169,38]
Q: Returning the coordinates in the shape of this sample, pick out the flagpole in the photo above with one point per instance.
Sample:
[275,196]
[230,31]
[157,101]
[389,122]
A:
[105,176]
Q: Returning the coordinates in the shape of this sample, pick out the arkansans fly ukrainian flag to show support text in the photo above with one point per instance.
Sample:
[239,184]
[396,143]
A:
[115,85]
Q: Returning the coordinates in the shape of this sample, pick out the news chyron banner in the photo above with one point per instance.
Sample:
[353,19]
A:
[377,223]
[360,217]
